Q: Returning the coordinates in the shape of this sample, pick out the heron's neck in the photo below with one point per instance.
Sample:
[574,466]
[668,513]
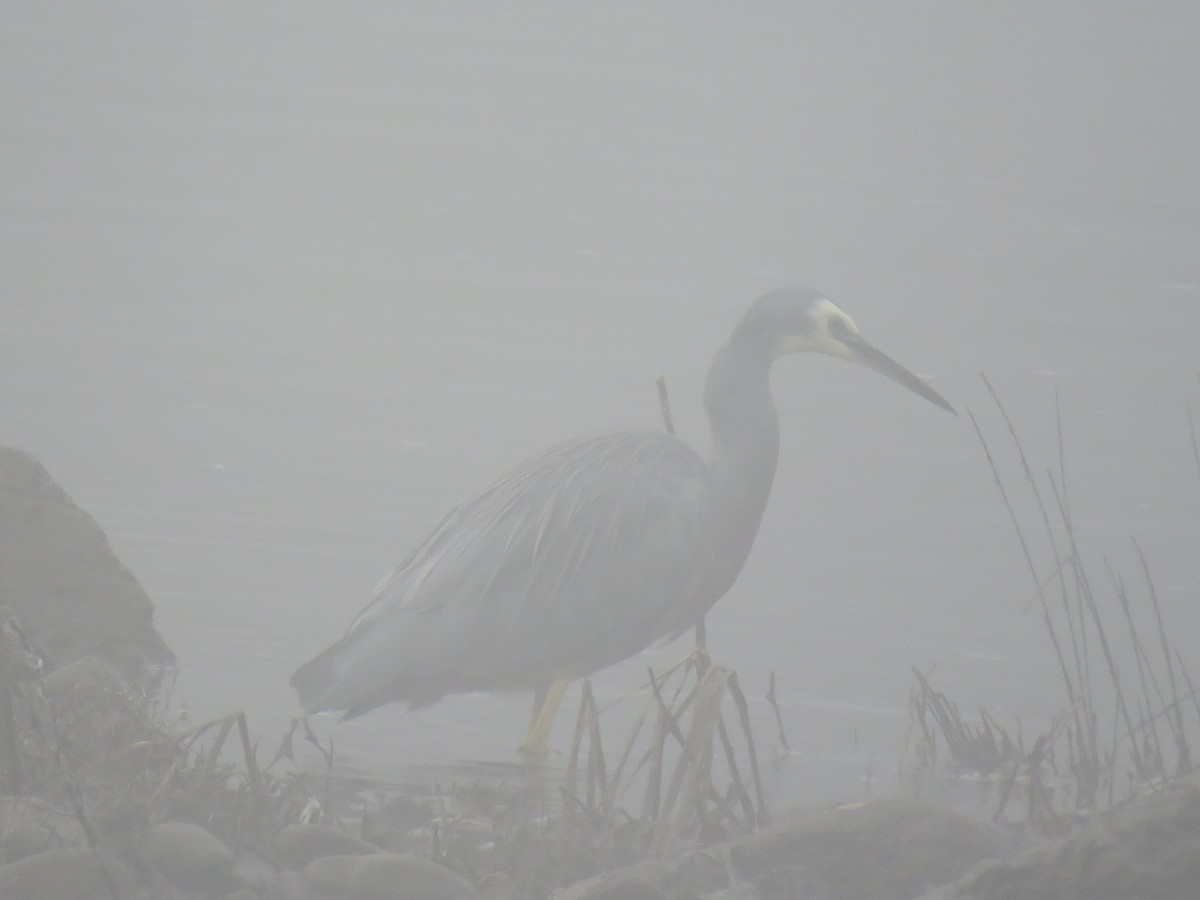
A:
[745,449]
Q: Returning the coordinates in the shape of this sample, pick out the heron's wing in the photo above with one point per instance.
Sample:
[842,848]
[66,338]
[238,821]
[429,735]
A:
[577,558]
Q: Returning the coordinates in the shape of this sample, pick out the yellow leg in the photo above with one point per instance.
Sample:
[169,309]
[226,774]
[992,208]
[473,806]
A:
[546,702]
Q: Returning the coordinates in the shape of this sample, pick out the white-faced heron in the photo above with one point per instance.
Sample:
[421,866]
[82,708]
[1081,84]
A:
[589,552]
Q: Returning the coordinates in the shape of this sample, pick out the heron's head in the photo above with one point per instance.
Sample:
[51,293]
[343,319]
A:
[801,320]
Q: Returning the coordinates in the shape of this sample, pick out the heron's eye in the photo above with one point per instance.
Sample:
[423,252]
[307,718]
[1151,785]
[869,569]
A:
[837,326]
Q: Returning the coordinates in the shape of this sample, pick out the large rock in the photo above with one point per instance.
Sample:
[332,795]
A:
[382,876]
[58,572]
[298,845]
[66,875]
[188,857]
[621,886]
[884,850]
[1148,848]
[29,826]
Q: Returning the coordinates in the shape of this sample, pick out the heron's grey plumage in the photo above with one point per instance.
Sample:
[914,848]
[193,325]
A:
[589,552]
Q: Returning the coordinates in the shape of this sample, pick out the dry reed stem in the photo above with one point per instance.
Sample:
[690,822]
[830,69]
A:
[1028,555]
[1183,760]
[1192,694]
[739,699]
[1102,637]
[783,741]
[1085,634]
[738,793]
[1146,676]
[610,799]
[680,795]
[694,762]
[1045,516]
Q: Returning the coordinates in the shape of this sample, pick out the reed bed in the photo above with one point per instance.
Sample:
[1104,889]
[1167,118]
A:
[1119,732]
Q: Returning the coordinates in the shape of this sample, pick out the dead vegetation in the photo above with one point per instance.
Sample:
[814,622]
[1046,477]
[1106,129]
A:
[685,774]
[1119,733]
[87,746]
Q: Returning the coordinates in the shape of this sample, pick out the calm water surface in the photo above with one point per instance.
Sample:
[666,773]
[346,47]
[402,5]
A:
[281,286]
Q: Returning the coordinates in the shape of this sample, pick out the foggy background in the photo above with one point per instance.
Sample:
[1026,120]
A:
[283,282]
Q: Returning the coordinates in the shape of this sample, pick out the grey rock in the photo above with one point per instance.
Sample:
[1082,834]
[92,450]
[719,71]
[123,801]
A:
[66,875]
[188,857]
[1148,848]
[29,826]
[885,850]
[259,876]
[647,879]
[61,578]
[498,886]
[382,876]
[619,886]
[88,674]
[298,845]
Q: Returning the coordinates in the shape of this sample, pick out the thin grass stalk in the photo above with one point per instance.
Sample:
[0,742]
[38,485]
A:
[1079,645]
[701,786]
[610,799]
[923,750]
[689,755]
[1146,676]
[1110,661]
[1042,509]
[705,720]
[1192,693]
[743,709]
[1086,602]
[1027,554]
[738,791]
[783,741]
[652,799]
[571,777]
[1077,589]
[253,775]
[708,695]
[957,736]
[1183,760]
[1152,743]
[668,717]
[1006,746]
[680,701]
[1011,770]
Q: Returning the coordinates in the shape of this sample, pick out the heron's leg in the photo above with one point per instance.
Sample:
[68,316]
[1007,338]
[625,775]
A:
[546,701]
[539,697]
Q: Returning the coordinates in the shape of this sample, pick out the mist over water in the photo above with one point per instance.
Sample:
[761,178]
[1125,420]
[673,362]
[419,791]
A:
[283,284]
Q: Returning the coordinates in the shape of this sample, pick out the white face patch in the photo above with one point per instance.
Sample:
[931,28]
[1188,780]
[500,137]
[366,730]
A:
[821,339]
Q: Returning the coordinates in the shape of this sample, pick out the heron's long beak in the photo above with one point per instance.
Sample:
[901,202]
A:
[862,352]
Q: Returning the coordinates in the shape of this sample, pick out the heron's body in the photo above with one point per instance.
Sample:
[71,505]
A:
[591,551]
